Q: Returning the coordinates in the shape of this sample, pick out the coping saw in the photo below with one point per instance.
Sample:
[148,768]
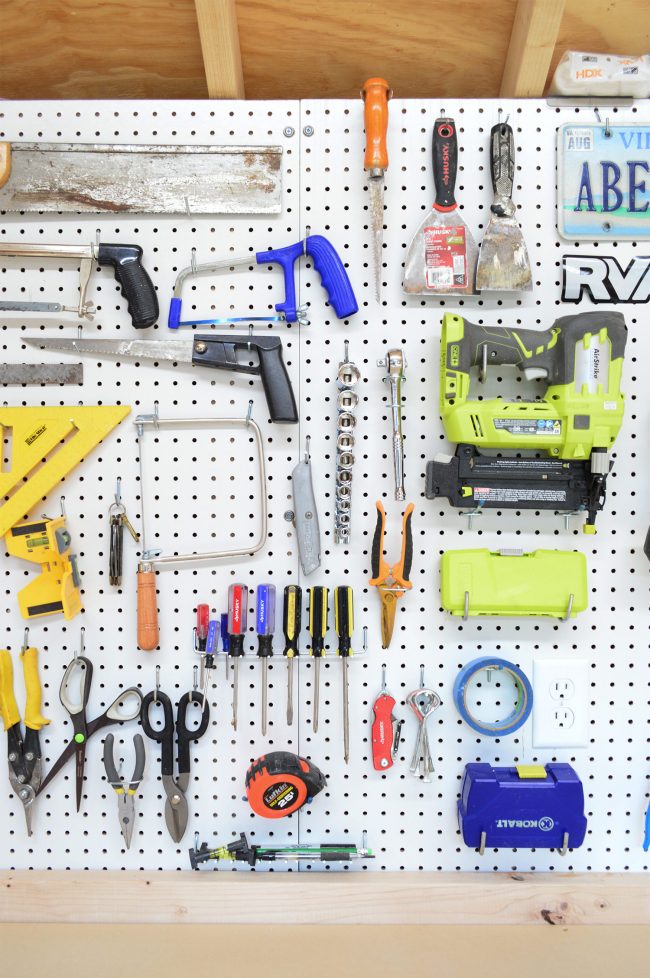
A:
[136,285]
[45,445]
[100,178]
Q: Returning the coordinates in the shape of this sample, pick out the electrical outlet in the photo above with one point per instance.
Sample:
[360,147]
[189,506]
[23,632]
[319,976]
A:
[560,699]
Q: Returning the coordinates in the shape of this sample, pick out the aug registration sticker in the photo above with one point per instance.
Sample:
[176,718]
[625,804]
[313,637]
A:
[604,182]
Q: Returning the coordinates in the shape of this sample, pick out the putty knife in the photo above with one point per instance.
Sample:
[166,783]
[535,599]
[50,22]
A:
[503,264]
[441,259]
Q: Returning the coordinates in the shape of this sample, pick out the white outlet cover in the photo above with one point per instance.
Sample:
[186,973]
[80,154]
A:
[560,702]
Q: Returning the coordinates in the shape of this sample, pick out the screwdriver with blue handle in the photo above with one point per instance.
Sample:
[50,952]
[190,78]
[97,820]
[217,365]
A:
[265,627]
[318,613]
[344,622]
[291,624]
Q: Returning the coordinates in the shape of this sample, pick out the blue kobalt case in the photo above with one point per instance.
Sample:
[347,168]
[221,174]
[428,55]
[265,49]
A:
[526,807]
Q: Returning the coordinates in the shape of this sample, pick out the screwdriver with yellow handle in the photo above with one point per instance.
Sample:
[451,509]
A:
[344,623]
[318,614]
[24,753]
[291,624]
[376,93]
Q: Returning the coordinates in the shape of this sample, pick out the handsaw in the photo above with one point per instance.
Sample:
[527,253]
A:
[99,178]
[43,445]
[503,264]
[441,259]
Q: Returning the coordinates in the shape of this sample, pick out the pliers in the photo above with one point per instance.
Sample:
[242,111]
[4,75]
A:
[24,753]
[125,791]
[391,582]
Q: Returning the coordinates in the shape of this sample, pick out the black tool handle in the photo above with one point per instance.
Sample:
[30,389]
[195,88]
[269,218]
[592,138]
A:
[136,285]
[502,165]
[221,352]
[186,736]
[445,162]
[165,735]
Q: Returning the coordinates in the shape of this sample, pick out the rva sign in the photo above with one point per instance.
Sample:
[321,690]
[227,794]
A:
[602,279]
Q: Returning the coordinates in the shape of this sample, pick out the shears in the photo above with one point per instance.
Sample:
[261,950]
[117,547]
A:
[125,706]
[391,582]
[24,750]
[176,808]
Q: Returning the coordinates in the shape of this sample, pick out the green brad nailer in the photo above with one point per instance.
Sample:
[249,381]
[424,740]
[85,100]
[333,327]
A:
[546,454]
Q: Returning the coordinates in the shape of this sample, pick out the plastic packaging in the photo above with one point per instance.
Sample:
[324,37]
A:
[580,73]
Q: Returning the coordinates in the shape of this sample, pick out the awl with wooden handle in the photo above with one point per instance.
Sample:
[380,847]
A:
[376,93]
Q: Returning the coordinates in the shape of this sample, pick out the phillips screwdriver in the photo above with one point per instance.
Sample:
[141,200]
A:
[376,93]
[344,622]
[237,620]
[291,623]
[318,613]
[265,627]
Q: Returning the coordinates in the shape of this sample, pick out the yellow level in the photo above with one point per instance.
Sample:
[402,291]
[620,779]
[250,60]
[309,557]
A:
[41,446]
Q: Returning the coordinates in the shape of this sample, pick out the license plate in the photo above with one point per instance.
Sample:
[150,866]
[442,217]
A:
[604,182]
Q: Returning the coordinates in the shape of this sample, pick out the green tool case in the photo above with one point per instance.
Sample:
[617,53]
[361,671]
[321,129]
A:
[511,583]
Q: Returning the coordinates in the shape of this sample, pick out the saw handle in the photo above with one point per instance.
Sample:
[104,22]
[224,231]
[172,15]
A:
[502,165]
[376,93]
[5,163]
[333,275]
[136,285]
[220,351]
[326,262]
[148,632]
[445,162]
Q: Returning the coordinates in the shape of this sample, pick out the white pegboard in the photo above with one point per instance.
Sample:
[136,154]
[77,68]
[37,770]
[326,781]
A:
[204,490]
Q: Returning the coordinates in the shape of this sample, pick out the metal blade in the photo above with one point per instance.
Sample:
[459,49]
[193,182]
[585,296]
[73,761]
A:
[126,812]
[376,188]
[16,374]
[179,351]
[503,264]
[130,178]
[9,306]
[176,809]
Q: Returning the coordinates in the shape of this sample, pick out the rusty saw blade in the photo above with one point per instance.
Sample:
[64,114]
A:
[128,178]
[35,374]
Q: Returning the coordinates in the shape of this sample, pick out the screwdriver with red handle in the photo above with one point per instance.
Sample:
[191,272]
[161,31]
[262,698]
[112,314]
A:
[376,93]
[237,623]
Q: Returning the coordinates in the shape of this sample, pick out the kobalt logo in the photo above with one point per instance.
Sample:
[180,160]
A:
[545,823]
[604,280]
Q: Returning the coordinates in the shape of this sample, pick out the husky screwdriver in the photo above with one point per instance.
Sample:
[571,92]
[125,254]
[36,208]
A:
[265,627]
[237,619]
[344,621]
[291,623]
[318,612]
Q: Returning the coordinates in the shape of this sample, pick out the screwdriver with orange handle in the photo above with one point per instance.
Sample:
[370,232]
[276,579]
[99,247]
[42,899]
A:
[376,93]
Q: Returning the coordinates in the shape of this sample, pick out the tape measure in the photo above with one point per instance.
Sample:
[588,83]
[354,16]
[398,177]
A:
[279,783]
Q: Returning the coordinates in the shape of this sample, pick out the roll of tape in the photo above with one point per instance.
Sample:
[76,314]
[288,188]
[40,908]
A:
[523,705]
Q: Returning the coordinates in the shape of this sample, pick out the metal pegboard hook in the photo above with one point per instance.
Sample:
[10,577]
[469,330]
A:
[82,642]
[193,264]
[249,413]
[307,448]
[62,505]
[118,490]
[25,639]
[156,698]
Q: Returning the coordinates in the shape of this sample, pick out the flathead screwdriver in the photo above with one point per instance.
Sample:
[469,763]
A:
[265,627]
[318,613]
[237,621]
[344,622]
[225,638]
[291,623]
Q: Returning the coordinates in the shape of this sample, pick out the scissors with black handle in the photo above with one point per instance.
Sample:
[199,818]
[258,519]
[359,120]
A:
[176,809]
[80,671]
